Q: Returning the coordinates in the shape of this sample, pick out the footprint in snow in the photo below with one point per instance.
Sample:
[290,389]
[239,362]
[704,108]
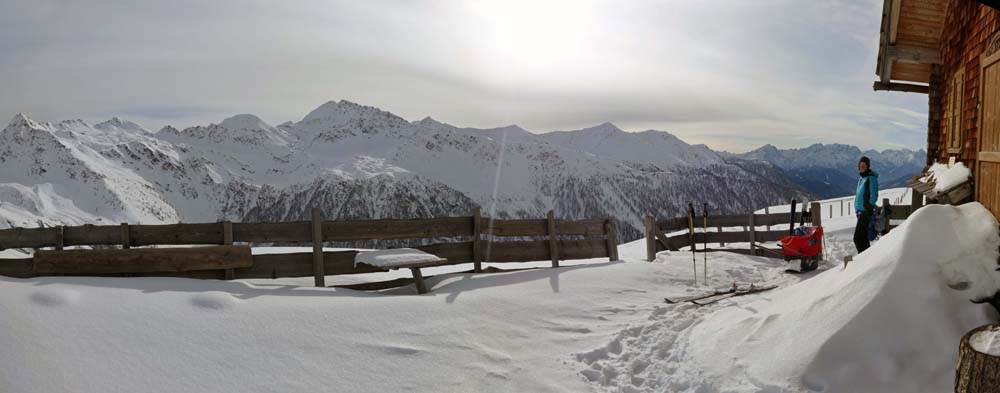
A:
[214,300]
[54,297]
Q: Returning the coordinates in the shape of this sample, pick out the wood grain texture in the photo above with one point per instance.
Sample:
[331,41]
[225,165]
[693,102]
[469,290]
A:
[141,260]
[176,234]
[388,229]
[29,237]
[298,232]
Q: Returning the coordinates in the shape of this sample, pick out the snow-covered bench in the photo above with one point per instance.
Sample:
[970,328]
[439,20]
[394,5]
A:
[401,258]
[944,184]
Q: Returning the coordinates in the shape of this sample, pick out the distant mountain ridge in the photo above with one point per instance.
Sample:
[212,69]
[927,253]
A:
[357,161]
[830,170]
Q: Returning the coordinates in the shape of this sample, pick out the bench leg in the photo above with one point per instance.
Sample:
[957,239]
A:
[419,279]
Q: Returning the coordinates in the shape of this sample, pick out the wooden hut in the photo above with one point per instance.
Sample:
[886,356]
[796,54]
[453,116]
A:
[950,50]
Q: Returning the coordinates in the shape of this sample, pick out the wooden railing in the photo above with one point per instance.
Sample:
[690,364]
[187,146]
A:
[664,234]
[464,239]
[661,234]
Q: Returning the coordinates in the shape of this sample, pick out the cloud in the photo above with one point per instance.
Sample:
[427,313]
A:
[729,74]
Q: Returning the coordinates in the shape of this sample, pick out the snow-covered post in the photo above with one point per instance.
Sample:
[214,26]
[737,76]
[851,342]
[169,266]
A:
[977,371]
[753,241]
[317,240]
[550,219]
[477,231]
[650,238]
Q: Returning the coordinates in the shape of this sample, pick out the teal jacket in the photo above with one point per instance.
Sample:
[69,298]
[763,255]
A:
[866,195]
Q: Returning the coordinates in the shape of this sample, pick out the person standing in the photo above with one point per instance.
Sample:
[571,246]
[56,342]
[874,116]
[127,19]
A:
[865,198]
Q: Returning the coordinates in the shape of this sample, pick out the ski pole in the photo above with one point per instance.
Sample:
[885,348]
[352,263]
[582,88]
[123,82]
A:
[694,244]
[704,267]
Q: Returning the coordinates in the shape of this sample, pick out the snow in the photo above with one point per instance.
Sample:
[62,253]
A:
[890,321]
[394,258]
[986,341]
[948,177]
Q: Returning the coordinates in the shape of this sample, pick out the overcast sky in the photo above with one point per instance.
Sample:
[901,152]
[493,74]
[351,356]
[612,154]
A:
[733,74]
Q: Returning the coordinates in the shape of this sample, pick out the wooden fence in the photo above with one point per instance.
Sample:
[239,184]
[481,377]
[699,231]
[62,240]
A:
[465,239]
[659,237]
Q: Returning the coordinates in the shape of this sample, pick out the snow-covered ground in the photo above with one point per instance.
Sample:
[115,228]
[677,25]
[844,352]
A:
[591,325]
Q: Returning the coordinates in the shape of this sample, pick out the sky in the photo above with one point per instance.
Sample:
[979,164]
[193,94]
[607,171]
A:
[732,74]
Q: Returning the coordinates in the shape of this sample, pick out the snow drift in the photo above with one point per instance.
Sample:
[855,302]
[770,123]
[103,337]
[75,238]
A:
[890,321]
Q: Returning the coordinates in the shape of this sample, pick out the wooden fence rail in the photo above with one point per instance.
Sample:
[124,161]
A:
[468,239]
[659,238]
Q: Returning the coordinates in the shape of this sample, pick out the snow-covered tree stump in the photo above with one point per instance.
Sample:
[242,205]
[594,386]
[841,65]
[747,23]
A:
[977,372]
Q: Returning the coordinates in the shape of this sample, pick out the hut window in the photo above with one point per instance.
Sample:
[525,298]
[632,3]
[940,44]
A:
[956,95]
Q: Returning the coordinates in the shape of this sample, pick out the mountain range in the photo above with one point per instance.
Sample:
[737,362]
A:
[356,161]
[831,170]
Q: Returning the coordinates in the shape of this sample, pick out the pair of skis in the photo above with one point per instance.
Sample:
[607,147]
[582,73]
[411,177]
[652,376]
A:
[694,242]
[717,295]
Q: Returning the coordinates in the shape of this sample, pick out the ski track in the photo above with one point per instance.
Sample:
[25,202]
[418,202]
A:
[650,355]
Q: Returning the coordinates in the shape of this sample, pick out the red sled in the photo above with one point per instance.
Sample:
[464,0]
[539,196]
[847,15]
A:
[806,246]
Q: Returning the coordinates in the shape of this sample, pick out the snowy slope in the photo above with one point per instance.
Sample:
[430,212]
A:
[359,161]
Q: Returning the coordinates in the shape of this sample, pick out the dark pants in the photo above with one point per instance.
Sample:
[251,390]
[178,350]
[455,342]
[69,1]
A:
[861,231]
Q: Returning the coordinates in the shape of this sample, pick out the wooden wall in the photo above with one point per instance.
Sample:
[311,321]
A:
[968,27]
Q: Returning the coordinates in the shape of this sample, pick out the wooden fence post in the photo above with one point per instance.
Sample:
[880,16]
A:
[842,208]
[767,211]
[916,200]
[650,238]
[611,230]
[317,240]
[126,236]
[227,240]
[721,243]
[477,246]
[61,241]
[753,236]
[817,220]
[553,239]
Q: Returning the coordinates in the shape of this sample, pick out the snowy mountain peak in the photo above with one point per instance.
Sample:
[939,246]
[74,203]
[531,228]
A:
[118,124]
[604,128]
[245,122]
[428,121]
[21,120]
[342,110]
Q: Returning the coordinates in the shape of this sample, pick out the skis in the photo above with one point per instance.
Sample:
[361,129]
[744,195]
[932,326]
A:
[752,290]
[714,296]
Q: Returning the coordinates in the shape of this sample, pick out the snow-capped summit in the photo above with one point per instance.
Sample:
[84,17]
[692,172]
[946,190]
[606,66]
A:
[21,120]
[651,146]
[342,111]
[118,124]
[245,122]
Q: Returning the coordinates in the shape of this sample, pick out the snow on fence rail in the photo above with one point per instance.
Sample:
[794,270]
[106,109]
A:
[470,239]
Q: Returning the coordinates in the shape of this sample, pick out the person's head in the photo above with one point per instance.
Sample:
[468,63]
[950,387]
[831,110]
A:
[864,164]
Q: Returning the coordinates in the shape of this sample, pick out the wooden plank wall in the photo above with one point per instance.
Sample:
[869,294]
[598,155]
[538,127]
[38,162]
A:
[465,239]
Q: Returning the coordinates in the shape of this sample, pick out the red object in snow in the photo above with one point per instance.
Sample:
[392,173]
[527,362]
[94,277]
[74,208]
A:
[807,245]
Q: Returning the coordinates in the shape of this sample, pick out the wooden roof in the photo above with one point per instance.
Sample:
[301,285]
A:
[909,44]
